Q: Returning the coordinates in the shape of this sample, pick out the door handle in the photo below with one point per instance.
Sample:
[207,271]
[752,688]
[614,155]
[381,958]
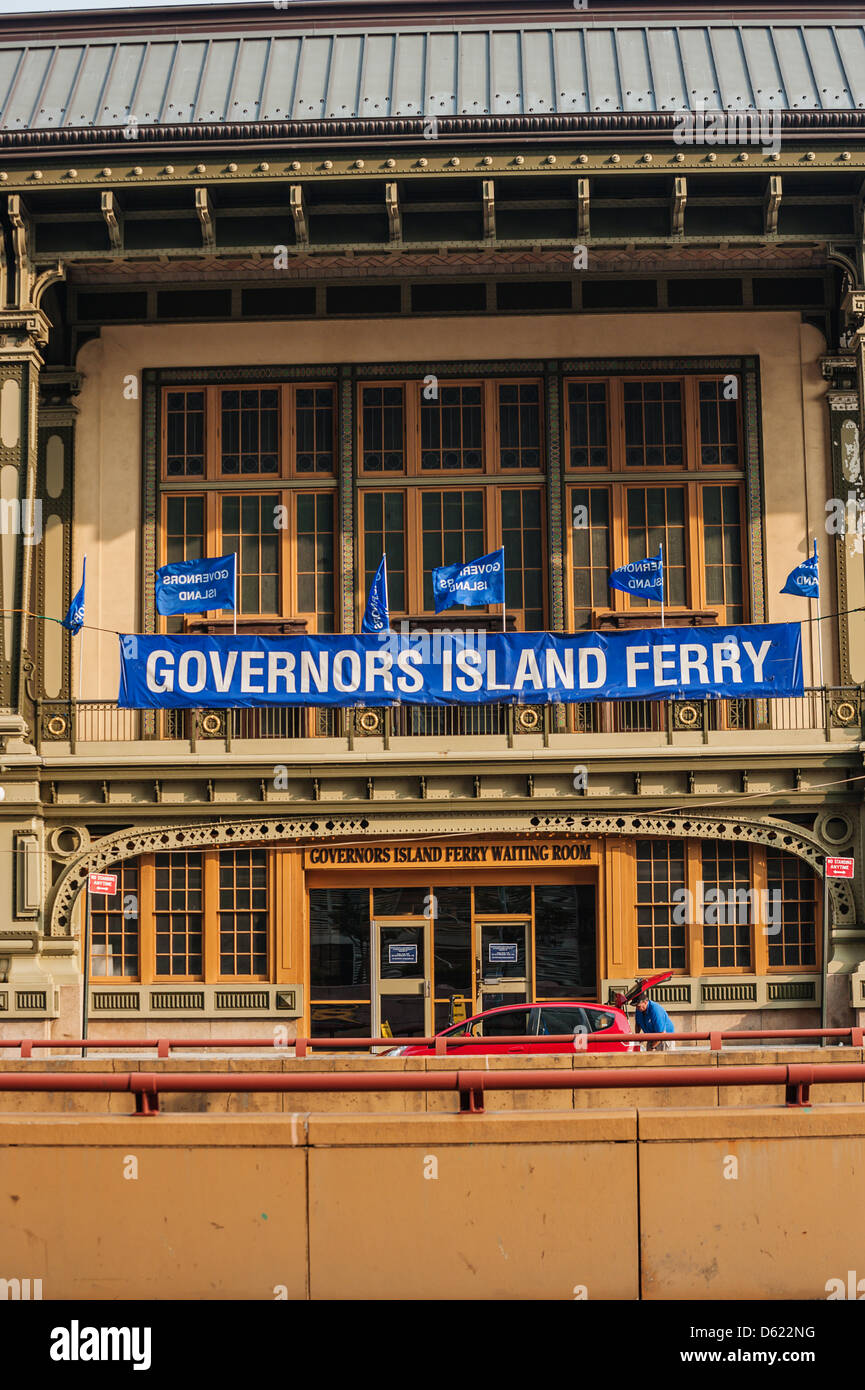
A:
[426,989]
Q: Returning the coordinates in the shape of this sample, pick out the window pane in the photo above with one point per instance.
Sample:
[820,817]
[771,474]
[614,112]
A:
[520,425]
[382,427]
[243,913]
[660,939]
[384,534]
[654,431]
[179,915]
[250,431]
[791,910]
[451,429]
[313,416]
[587,419]
[722,542]
[184,434]
[452,532]
[507,900]
[719,425]
[521,537]
[565,952]
[248,528]
[656,516]
[339,951]
[114,926]
[729,907]
[315,558]
[591,561]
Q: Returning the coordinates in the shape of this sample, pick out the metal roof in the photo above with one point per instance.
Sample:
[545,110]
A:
[503,70]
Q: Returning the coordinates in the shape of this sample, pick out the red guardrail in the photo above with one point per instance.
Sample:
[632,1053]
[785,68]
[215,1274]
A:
[147,1086]
[302,1046]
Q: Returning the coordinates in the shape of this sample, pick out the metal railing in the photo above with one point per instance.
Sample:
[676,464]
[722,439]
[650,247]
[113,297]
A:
[819,709]
[441,1043]
[796,1079]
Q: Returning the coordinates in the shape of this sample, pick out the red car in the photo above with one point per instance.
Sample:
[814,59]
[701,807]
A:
[533,1025]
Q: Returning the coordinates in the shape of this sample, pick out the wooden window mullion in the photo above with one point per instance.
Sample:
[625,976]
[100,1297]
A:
[760,939]
[490,426]
[694,552]
[287,553]
[212,431]
[210,915]
[411,427]
[690,401]
[146,920]
[287,432]
[693,927]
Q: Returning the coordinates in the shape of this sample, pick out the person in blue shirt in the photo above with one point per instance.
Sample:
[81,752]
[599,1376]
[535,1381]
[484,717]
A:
[651,1018]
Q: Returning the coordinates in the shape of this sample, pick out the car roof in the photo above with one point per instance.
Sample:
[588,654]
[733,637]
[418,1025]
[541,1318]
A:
[540,1004]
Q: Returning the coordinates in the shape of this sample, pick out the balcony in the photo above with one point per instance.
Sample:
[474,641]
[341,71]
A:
[821,714]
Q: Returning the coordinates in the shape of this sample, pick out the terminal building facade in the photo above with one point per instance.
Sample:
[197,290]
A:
[317,283]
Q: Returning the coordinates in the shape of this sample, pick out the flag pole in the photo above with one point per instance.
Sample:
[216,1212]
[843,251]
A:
[819,630]
[661,551]
[235,593]
[81,648]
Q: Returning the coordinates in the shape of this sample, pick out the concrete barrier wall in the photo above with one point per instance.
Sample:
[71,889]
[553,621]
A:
[597,1204]
[435,1102]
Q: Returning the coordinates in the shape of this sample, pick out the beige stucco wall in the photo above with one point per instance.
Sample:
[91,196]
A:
[108,448]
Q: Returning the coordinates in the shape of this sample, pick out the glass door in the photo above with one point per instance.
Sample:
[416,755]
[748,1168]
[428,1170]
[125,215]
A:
[504,967]
[402,1003]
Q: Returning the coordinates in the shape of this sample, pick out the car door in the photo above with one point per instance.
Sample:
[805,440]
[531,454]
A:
[605,1021]
[561,1018]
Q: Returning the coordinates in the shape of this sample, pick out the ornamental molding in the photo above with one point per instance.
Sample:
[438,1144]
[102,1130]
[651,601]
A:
[454,262]
[848,403]
[658,124]
[524,826]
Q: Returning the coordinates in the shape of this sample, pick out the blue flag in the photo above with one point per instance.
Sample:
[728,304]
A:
[642,577]
[74,620]
[195,586]
[475,583]
[376,617]
[804,580]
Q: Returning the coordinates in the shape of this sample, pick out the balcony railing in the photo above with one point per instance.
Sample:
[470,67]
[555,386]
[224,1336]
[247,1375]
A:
[828,711]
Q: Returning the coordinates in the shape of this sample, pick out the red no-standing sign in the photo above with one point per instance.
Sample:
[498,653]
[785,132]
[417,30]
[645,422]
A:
[839,868]
[102,883]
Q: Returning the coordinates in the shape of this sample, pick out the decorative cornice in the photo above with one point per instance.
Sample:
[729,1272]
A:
[287,830]
[656,125]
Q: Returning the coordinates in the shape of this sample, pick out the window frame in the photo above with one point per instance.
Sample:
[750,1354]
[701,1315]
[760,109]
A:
[287,539]
[412,388]
[211,944]
[287,444]
[618,479]
[413,536]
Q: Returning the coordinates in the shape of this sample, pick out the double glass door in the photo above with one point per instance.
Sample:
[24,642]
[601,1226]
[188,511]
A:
[402,1003]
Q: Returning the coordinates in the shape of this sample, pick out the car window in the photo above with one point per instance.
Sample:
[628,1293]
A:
[599,1019]
[458,1031]
[511,1023]
[562,1020]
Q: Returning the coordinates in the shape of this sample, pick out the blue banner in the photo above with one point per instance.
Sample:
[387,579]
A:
[376,617]
[195,586]
[804,580]
[74,620]
[475,583]
[464,668]
[642,577]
